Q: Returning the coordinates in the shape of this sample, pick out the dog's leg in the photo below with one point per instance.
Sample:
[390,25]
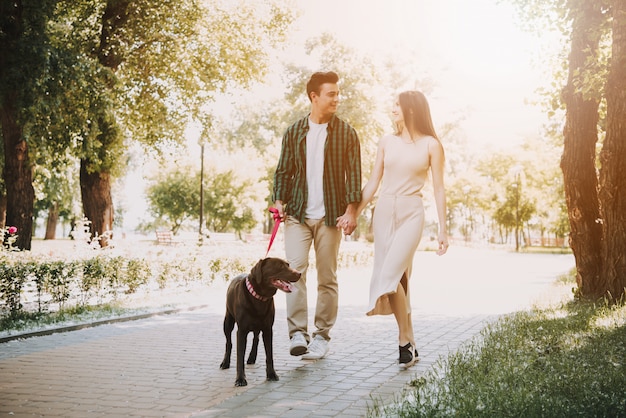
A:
[255,348]
[242,335]
[229,325]
[269,355]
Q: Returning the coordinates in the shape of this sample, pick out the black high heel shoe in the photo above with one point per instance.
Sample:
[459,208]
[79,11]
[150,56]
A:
[408,355]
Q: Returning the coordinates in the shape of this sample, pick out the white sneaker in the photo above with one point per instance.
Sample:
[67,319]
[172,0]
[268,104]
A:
[317,349]
[298,344]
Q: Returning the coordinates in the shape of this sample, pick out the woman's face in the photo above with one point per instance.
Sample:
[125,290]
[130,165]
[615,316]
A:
[396,112]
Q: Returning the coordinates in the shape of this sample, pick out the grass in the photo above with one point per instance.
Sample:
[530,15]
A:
[561,361]
[27,321]
[546,250]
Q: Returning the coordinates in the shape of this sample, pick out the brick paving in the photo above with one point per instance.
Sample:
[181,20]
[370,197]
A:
[168,365]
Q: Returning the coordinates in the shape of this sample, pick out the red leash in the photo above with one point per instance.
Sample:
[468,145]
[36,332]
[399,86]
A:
[276,217]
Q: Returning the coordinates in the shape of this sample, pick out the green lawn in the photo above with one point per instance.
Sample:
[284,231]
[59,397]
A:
[561,361]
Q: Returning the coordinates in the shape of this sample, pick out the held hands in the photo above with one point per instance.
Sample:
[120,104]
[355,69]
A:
[443,243]
[347,223]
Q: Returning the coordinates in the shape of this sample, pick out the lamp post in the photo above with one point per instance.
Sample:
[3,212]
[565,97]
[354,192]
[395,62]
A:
[468,214]
[517,173]
[517,196]
[200,238]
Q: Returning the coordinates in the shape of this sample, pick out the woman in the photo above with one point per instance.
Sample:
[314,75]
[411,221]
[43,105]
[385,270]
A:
[402,163]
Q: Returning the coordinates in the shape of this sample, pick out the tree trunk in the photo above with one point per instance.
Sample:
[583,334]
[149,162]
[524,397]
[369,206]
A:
[18,176]
[97,202]
[3,210]
[613,158]
[96,186]
[53,219]
[579,152]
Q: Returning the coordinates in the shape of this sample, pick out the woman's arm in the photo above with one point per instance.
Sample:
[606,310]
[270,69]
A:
[437,162]
[374,181]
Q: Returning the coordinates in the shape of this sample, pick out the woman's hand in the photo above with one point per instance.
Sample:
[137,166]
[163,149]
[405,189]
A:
[443,243]
[346,222]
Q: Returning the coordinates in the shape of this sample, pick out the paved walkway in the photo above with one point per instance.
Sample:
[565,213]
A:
[168,365]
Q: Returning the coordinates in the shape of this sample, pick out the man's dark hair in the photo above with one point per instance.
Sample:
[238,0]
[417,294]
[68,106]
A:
[319,78]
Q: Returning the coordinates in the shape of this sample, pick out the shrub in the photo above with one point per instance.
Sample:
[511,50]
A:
[13,276]
[138,273]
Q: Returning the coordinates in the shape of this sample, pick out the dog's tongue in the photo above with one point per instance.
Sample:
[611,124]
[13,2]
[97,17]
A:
[282,285]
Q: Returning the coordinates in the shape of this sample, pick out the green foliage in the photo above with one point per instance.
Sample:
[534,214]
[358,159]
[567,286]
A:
[24,50]
[555,362]
[83,281]
[225,44]
[57,189]
[57,279]
[94,73]
[486,191]
[225,206]
[515,210]
[181,272]
[96,273]
[12,278]
[138,273]
[74,314]
[548,18]
[362,84]
[174,197]
[228,267]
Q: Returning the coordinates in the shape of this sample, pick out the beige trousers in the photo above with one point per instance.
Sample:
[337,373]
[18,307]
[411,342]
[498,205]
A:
[326,240]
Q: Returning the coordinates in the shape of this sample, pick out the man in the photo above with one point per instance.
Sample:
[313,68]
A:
[317,180]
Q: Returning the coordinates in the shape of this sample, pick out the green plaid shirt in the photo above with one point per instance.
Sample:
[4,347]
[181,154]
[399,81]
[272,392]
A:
[342,170]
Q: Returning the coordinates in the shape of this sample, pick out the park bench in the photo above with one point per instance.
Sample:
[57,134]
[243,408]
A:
[165,238]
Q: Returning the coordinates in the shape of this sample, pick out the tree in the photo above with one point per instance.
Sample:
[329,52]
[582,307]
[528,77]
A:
[24,52]
[594,99]
[174,198]
[101,72]
[579,151]
[225,204]
[56,191]
[139,42]
[612,157]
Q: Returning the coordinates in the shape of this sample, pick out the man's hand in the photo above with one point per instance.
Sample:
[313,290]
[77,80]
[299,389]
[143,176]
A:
[281,211]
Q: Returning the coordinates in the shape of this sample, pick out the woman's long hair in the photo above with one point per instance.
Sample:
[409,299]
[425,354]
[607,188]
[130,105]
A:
[416,114]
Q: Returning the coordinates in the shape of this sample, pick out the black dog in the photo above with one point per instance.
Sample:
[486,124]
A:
[250,305]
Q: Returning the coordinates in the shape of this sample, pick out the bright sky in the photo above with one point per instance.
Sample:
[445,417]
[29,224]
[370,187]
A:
[478,57]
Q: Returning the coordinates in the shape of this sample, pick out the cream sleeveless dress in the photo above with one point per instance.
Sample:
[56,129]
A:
[398,219]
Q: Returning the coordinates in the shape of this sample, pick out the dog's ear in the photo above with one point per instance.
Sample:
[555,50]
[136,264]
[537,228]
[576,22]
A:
[257,269]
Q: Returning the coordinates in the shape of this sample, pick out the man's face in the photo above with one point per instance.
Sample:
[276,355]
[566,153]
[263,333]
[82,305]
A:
[328,99]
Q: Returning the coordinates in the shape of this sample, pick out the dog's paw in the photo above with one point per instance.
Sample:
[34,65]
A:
[225,365]
[272,377]
[251,360]
[241,382]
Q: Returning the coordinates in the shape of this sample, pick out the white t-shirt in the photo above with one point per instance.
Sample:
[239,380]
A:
[315,142]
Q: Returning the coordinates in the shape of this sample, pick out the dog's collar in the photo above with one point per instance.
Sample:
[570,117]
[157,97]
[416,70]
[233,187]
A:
[255,294]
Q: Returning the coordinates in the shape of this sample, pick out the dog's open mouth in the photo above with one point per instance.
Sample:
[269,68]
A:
[282,285]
